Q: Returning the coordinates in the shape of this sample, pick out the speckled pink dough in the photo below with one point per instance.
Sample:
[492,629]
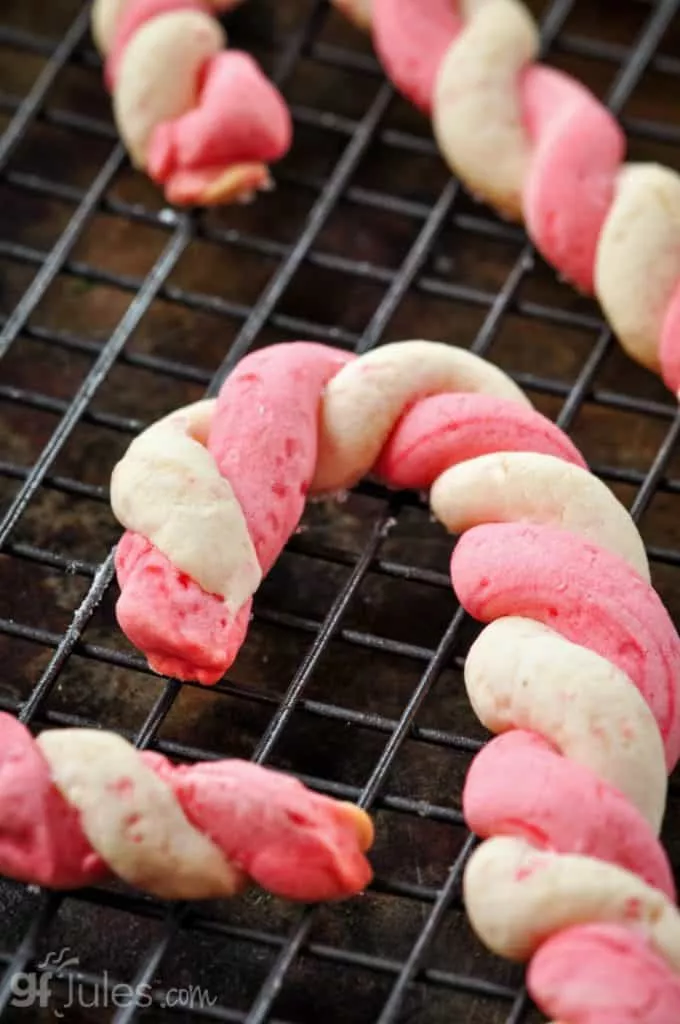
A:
[264,440]
[240,118]
[264,436]
[285,837]
[579,147]
[441,431]
[40,836]
[411,41]
[183,631]
[587,594]
[621,979]
[519,785]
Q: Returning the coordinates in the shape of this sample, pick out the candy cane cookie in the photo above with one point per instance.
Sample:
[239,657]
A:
[202,120]
[540,148]
[78,806]
[577,670]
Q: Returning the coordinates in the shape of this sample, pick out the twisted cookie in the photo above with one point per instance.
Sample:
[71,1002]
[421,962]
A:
[539,147]
[578,669]
[203,121]
[77,805]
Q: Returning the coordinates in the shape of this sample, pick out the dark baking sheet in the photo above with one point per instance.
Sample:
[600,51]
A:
[115,310]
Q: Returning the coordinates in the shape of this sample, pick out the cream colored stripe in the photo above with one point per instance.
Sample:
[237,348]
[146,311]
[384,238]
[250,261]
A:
[477,116]
[517,897]
[132,819]
[638,258]
[506,487]
[522,675]
[168,488]
[158,74]
[365,399]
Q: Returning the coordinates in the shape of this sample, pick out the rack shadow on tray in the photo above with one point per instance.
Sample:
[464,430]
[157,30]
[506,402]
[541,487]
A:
[116,310]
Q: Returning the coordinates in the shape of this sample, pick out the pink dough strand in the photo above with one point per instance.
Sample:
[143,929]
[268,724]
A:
[622,980]
[293,842]
[519,785]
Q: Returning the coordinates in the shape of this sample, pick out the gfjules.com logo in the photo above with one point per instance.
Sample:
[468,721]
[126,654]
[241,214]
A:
[57,985]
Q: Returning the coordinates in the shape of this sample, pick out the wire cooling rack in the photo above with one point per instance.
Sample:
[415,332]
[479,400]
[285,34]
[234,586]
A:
[115,310]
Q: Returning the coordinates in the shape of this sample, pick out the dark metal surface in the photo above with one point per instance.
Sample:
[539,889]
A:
[114,311]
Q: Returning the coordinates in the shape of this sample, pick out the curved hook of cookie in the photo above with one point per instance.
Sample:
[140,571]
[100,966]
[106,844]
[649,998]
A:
[203,121]
[299,418]
[185,594]
[78,805]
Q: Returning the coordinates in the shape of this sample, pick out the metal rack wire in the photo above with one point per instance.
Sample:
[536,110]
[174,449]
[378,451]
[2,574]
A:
[351,676]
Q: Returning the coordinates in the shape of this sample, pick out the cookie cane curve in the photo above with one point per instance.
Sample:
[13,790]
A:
[202,120]
[79,805]
[539,147]
[577,670]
